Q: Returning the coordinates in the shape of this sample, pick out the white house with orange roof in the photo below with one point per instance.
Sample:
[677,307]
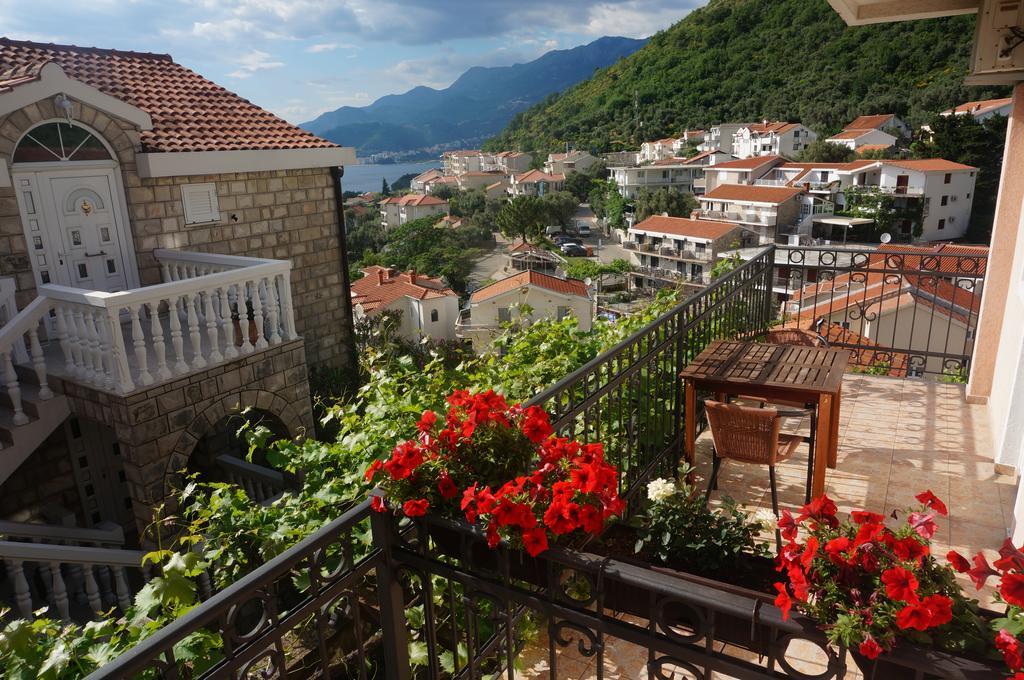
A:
[684,174]
[398,210]
[982,110]
[421,182]
[659,149]
[857,138]
[535,183]
[721,136]
[522,299]
[507,162]
[564,163]
[429,307]
[667,251]
[760,210]
[887,122]
[460,161]
[776,138]
[739,171]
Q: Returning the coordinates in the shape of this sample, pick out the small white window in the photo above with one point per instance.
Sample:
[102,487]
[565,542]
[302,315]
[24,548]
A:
[200,201]
[434,316]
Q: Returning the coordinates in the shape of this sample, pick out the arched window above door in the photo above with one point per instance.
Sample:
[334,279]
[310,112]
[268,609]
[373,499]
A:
[59,141]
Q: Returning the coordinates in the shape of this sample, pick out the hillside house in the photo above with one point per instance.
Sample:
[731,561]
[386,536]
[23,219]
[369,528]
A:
[460,161]
[535,183]
[721,137]
[739,171]
[564,163]
[771,139]
[508,162]
[856,139]
[683,174]
[174,253]
[670,251]
[468,181]
[657,150]
[523,298]
[886,122]
[982,110]
[421,182]
[428,307]
[398,210]
[760,210]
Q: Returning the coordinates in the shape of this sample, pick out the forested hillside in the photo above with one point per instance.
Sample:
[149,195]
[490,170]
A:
[744,60]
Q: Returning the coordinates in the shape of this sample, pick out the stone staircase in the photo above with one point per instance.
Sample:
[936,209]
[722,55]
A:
[22,431]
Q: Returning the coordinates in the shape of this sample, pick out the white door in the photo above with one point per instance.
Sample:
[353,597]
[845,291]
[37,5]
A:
[74,222]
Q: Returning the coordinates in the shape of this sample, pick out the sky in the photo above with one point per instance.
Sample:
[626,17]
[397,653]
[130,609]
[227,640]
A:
[299,58]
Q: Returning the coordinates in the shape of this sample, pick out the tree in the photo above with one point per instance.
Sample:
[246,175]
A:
[964,140]
[385,190]
[874,204]
[561,206]
[672,202]
[585,268]
[522,218]
[821,151]
[579,185]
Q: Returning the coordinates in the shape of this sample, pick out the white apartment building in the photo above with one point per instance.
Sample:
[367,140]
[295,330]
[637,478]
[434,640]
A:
[468,181]
[684,174]
[760,210]
[982,110]
[721,136]
[887,122]
[564,163]
[771,139]
[740,171]
[507,301]
[429,307]
[458,162]
[507,162]
[669,251]
[658,150]
[421,182]
[858,138]
[535,183]
[398,210]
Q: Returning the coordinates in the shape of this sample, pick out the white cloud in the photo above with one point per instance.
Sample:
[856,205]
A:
[253,62]
[329,47]
[633,18]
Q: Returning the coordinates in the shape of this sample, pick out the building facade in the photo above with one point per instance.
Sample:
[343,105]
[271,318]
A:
[428,307]
[673,251]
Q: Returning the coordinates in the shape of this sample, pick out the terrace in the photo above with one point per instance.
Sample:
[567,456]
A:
[897,437]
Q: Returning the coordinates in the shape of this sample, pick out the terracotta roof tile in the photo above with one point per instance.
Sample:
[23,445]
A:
[930,165]
[751,163]
[979,107]
[379,288]
[756,194]
[684,226]
[414,200]
[531,176]
[853,133]
[532,278]
[875,122]
[189,112]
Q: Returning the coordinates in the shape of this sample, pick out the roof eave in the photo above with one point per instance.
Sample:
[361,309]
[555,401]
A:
[180,163]
[864,12]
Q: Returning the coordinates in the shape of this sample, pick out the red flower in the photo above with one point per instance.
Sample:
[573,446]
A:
[940,609]
[372,471]
[1013,654]
[562,517]
[788,526]
[416,507]
[923,524]
[535,541]
[930,500]
[836,547]
[981,571]
[958,561]
[914,616]
[377,503]
[821,509]
[493,537]
[536,426]
[909,549]
[426,421]
[783,601]
[868,533]
[900,584]
[1012,589]
[447,487]
[810,550]
[865,517]
[870,648]
[1009,557]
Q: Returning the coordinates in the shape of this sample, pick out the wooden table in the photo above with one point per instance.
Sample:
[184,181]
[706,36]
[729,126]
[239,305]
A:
[807,375]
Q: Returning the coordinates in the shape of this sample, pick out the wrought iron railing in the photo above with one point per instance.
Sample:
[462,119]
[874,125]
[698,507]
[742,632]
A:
[902,310]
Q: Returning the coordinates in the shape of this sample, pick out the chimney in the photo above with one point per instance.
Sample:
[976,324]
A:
[695,215]
[664,214]
[412,276]
[380,277]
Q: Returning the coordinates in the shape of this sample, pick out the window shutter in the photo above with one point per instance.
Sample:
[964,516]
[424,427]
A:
[200,201]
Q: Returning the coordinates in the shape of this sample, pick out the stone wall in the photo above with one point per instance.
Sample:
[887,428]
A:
[44,480]
[158,428]
[269,214]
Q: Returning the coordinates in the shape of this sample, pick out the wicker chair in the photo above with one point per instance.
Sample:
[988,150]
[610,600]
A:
[791,409]
[749,435]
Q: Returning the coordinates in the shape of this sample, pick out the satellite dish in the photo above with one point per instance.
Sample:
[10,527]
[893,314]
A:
[589,281]
[886,237]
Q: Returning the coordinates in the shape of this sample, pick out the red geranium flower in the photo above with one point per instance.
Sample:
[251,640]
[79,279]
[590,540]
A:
[1012,589]
[416,507]
[865,517]
[836,547]
[821,509]
[447,487]
[900,584]
[426,421]
[914,616]
[1010,646]
[940,609]
[783,601]
[958,561]
[923,524]
[377,503]
[535,541]
[981,571]
[787,526]
[810,550]
[1009,557]
[870,648]
[909,549]
[930,500]
[372,471]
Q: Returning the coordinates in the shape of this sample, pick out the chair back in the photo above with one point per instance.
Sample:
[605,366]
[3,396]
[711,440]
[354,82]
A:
[744,433]
[794,336]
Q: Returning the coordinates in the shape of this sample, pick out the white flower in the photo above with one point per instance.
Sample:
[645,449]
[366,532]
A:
[766,518]
[660,490]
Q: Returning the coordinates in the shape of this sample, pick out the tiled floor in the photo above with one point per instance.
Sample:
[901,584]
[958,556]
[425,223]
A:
[896,438]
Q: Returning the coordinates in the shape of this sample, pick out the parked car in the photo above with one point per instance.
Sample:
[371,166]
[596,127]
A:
[553,230]
[574,250]
[562,240]
[583,229]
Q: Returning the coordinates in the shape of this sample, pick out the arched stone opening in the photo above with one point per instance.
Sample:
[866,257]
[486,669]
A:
[224,439]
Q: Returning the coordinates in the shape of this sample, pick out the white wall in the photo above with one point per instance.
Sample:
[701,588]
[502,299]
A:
[956,212]
[545,304]
[416,316]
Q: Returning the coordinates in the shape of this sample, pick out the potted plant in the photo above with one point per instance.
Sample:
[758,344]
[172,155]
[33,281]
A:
[878,590]
[498,467]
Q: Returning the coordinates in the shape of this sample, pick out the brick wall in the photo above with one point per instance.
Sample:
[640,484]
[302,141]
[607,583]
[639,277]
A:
[269,214]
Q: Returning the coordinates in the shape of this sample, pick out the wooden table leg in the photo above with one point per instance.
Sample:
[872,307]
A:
[823,438]
[690,434]
[833,448]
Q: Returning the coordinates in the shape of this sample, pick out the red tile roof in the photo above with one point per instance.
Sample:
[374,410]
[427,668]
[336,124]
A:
[532,278]
[684,226]
[751,163]
[876,122]
[531,176]
[873,147]
[414,200]
[778,127]
[380,287]
[853,133]
[979,107]
[930,165]
[189,112]
[756,194]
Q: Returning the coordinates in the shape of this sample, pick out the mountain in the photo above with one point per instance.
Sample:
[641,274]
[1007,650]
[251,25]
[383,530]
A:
[479,104]
[744,60]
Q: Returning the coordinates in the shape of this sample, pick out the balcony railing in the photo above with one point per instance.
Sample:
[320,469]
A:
[334,605]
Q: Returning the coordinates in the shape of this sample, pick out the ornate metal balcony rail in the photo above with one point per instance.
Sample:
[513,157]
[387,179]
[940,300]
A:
[903,310]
